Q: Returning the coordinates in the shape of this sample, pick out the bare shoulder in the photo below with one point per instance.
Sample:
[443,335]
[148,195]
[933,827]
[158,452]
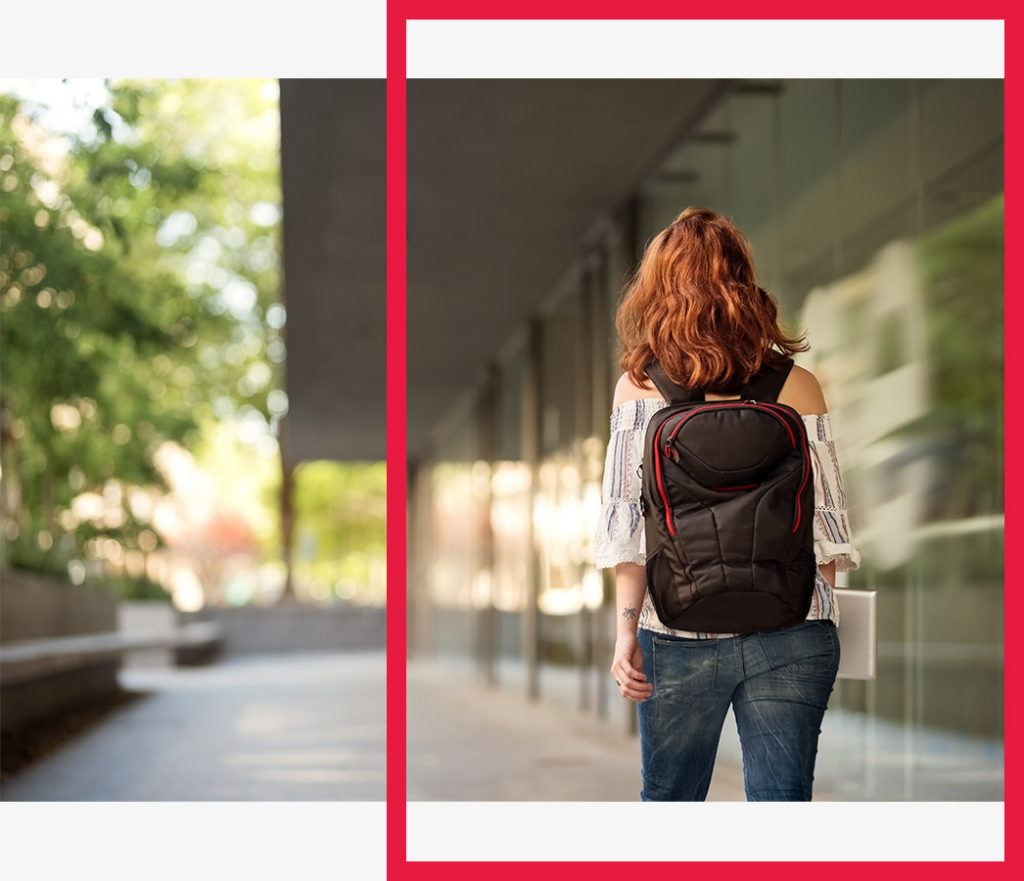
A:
[803,393]
[627,390]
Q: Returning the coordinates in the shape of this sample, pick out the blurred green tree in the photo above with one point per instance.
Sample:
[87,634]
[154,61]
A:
[340,510]
[138,296]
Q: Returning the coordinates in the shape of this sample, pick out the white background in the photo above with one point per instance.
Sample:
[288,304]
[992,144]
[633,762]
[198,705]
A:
[196,38]
[709,831]
[727,49]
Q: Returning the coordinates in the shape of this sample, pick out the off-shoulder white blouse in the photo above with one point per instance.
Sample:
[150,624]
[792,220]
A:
[620,531]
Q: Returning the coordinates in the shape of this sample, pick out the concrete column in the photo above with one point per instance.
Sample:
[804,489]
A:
[625,256]
[287,515]
[486,617]
[583,429]
[601,333]
[420,548]
[531,457]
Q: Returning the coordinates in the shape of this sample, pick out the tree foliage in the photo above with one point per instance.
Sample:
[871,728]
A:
[138,289]
[340,513]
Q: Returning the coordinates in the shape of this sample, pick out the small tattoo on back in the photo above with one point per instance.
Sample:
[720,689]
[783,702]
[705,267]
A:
[629,614]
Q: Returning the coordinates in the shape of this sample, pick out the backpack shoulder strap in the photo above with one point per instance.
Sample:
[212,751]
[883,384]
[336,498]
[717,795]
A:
[671,391]
[766,384]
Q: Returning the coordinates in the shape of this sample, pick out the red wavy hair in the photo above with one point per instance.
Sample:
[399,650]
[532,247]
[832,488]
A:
[694,305]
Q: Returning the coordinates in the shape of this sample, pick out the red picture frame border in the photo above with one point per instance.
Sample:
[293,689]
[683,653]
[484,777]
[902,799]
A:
[399,13]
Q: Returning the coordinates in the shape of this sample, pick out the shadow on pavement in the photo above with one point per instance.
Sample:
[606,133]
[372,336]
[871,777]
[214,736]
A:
[24,745]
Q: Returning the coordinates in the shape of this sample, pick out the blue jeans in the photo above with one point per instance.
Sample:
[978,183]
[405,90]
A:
[778,683]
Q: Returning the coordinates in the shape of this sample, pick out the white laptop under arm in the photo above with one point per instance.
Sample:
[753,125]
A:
[858,633]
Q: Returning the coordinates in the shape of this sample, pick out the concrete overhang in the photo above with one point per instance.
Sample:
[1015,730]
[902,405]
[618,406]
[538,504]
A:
[505,179]
[333,161]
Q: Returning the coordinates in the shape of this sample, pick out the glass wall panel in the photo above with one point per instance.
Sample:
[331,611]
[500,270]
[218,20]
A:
[925,476]
[457,580]
[754,159]
[511,510]
[559,521]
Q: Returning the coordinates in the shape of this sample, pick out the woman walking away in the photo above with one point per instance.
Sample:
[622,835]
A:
[725,521]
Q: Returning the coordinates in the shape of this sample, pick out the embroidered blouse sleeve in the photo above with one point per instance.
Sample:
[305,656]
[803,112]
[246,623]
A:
[833,540]
[620,530]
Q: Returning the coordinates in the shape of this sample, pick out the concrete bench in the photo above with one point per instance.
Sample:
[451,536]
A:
[40,677]
[31,658]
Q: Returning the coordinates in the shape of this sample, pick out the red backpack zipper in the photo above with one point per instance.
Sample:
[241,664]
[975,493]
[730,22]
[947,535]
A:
[771,408]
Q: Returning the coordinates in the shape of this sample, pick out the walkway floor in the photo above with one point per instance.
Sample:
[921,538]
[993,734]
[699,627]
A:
[468,742]
[285,727]
[473,743]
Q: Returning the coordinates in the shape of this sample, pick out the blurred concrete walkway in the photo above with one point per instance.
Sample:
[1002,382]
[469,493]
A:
[271,727]
[467,742]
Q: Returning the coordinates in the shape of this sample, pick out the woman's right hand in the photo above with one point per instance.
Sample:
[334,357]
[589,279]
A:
[628,669]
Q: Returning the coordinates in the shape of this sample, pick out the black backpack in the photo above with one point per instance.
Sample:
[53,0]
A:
[728,502]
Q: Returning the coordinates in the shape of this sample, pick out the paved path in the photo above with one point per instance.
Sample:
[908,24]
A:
[467,742]
[286,727]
